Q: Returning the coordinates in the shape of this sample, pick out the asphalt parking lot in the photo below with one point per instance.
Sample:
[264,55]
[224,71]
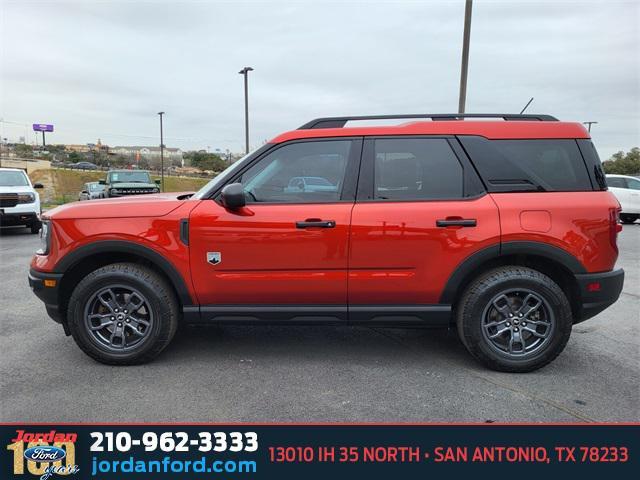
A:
[265,374]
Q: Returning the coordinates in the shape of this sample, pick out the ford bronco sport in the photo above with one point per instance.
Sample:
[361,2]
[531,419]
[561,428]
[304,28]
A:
[503,229]
[128,182]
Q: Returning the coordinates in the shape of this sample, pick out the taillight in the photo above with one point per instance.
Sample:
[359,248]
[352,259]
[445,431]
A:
[614,226]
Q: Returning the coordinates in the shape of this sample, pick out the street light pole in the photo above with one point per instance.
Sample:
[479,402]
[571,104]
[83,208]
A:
[588,124]
[465,56]
[245,71]
[161,154]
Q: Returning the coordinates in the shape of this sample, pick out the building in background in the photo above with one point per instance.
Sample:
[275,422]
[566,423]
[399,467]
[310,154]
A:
[172,156]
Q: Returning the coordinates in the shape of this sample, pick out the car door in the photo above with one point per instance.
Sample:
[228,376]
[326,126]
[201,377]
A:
[288,246]
[420,211]
[618,186]
[633,195]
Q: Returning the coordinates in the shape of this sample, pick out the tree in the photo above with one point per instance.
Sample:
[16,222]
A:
[205,161]
[623,163]
[75,157]
[24,151]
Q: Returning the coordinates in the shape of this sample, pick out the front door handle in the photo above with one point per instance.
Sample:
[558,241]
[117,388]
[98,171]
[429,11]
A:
[316,223]
[456,222]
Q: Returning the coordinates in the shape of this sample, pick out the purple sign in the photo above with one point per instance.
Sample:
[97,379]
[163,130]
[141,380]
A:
[42,127]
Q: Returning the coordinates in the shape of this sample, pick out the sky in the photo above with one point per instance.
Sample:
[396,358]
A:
[103,69]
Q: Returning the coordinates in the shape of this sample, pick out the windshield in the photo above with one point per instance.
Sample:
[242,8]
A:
[129,177]
[96,187]
[9,178]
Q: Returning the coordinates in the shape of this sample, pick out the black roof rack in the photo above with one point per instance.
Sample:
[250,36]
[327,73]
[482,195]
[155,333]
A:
[339,122]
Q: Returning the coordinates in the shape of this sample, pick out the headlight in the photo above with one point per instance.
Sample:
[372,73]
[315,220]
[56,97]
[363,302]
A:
[26,197]
[45,238]
[156,190]
[114,190]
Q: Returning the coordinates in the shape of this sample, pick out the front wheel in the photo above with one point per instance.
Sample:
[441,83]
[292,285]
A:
[514,319]
[123,314]
[628,218]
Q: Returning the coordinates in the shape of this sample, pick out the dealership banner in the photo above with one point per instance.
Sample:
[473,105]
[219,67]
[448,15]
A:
[309,451]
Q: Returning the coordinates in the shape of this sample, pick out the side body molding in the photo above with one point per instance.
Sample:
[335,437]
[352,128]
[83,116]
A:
[474,261]
[120,246]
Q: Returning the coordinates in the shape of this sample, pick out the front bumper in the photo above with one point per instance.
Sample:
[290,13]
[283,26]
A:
[46,287]
[598,291]
[18,218]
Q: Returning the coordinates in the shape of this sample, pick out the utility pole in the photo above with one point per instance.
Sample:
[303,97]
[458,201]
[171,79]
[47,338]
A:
[465,56]
[161,154]
[588,124]
[245,71]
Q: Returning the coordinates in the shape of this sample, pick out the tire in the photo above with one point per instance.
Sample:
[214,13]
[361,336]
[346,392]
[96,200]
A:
[628,218]
[132,334]
[35,228]
[484,311]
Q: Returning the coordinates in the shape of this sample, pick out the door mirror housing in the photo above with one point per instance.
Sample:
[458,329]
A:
[38,185]
[102,182]
[232,196]
[157,182]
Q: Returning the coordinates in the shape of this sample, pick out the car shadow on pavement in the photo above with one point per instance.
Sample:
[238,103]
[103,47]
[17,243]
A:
[321,343]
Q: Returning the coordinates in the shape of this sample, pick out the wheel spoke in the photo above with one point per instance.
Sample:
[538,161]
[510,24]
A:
[110,302]
[499,332]
[516,338]
[535,332]
[530,304]
[118,333]
[132,305]
[495,324]
[105,321]
[505,307]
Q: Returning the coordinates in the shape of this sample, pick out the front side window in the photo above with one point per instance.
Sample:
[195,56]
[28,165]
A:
[306,172]
[416,169]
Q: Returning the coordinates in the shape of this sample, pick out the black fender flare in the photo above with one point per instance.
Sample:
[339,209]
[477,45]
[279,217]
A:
[474,261]
[122,246]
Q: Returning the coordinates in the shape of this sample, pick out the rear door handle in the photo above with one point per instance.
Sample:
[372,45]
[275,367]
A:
[316,223]
[456,222]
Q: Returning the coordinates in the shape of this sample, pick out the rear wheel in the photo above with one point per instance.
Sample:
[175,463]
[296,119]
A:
[628,218]
[35,227]
[123,314]
[514,319]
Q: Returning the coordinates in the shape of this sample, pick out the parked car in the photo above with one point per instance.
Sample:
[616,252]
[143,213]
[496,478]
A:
[83,166]
[91,191]
[503,229]
[627,191]
[128,182]
[311,184]
[19,202]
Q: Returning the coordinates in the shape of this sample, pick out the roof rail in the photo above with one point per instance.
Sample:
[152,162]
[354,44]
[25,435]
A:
[339,122]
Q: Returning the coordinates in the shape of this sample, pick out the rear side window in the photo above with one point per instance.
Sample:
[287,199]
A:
[416,169]
[526,165]
[633,184]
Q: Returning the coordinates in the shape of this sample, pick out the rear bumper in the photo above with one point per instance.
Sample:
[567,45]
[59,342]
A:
[598,291]
[47,293]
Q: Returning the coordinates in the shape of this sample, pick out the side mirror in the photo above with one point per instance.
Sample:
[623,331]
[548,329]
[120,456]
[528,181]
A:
[102,182]
[38,185]
[157,182]
[85,192]
[232,196]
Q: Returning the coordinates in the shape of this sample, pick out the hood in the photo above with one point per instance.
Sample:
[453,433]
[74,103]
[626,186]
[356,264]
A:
[151,205]
[13,189]
[132,185]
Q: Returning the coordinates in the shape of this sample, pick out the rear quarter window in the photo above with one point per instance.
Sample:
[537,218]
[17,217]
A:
[528,165]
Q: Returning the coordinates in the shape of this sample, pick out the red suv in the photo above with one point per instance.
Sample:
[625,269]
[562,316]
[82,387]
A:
[503,228]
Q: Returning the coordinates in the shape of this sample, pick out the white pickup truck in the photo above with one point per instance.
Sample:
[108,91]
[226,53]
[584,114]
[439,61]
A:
[19,202]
